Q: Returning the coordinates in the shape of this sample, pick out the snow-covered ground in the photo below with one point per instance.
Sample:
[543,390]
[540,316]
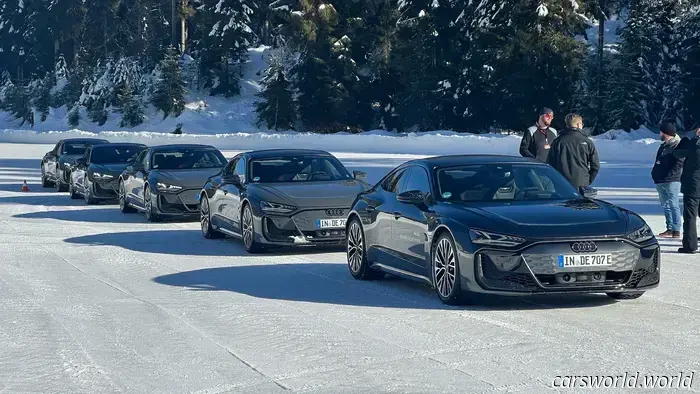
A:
[94,301]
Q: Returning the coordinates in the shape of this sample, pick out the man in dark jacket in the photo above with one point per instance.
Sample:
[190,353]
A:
[689,149]
[666,174]
[574,155]
[537,139]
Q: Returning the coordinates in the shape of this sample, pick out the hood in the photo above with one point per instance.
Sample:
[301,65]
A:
[551,219]
[116,168]
[188,179]
[311,194]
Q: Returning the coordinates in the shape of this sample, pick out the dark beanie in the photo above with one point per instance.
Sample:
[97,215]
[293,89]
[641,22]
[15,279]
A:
[546,110]
[669,128]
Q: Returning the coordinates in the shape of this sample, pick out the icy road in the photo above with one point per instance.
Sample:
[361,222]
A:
[94,301]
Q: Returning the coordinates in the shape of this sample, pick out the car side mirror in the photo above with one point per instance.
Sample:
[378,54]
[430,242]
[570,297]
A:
[359,175]
[232,179]
[81,161]
[136,167]
[415,197]
[588,192]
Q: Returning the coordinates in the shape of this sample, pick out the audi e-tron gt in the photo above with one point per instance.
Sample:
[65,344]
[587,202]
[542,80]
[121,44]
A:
[95,176]
[165,181]
[57,164]
[498,225]
[280,198]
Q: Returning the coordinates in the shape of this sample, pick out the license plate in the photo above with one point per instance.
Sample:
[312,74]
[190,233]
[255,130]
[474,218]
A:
[584,260]
[330,223]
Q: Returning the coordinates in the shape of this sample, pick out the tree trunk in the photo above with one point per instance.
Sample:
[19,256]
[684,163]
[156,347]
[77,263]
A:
[183,27]
[173,25]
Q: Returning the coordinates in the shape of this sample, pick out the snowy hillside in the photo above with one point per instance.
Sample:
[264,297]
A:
[203,114]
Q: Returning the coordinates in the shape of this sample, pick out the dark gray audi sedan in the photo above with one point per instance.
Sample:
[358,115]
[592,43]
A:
[498,225]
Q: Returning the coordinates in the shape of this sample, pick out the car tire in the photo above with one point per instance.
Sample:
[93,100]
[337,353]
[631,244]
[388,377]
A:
[445,271]
[89,199]
[124,207]
[73,194]
[625,296]
[357,253]
[205,220]
[248,231]
[149,211]
[60,186]
[45,182]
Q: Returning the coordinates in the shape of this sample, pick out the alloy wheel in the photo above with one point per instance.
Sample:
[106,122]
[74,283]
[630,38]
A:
[247,227]
[204,216]
[122,196]
[444,265]
[355,248]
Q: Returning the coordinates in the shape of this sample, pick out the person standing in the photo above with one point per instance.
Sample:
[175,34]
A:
[689,149]
[666,175]
[574,155]
[537,139]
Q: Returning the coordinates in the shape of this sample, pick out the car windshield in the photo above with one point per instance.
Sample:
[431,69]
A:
[75,148]
[503,182]
[186,159]
[298,169]
[114,154]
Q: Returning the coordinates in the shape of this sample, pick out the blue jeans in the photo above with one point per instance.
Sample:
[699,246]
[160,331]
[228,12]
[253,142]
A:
[669,195]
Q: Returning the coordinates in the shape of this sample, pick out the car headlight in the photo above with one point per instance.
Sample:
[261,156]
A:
[492,239]
[273,207]
[164,187]
[99,176]
[641,235]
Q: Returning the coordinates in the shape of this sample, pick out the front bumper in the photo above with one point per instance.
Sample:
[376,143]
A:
[302,228]
[106,190]
[536,270]
[181,204]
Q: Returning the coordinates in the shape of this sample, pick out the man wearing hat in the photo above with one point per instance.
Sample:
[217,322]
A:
[538,138]
[666,174]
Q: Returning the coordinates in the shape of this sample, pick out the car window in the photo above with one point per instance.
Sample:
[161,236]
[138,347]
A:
[239,169]
[298,169]
[498,182]
[144,159]
[113,154]
[391,183]
[75,148]
[188,158]
[229,166]
[418,180]
[87,155]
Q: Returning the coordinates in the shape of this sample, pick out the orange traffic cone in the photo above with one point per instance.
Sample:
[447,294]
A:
[25,188]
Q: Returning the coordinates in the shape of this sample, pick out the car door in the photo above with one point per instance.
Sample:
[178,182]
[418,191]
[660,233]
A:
[51,160]
[233,194]
[81,171]
[410,226]
[380,242]
[133,184]
[218,203]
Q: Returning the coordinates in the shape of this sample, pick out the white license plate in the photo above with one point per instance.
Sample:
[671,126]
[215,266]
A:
[584,260]
[330,223]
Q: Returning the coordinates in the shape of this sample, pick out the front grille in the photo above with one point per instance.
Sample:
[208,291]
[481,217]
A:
[646,276]
[284,230]
[107,189]
[183,202]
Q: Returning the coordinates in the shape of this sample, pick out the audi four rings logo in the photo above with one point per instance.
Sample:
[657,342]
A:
[580,247]
[334,212]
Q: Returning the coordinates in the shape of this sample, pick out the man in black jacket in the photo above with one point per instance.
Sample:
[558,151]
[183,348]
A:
[537,139]
[689,149]
[574,155]
[666,174]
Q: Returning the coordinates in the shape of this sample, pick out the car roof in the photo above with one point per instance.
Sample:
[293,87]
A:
[84,140]
[267,153]
[119,144]
[179,146]
[459,160]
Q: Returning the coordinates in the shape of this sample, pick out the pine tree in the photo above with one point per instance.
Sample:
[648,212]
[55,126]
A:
[169,94]
[688,44]
[130,109]
[277,108]
[41,96]
[73,116]
[19,104]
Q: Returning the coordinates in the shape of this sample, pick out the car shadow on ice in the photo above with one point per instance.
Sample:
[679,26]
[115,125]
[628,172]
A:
[99,215]
[49,199]
[180,242]
[331,283]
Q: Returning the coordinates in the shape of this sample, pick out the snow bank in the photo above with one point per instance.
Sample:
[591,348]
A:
[429,143]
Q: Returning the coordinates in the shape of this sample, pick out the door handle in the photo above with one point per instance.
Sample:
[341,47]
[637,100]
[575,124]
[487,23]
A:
[397,215]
